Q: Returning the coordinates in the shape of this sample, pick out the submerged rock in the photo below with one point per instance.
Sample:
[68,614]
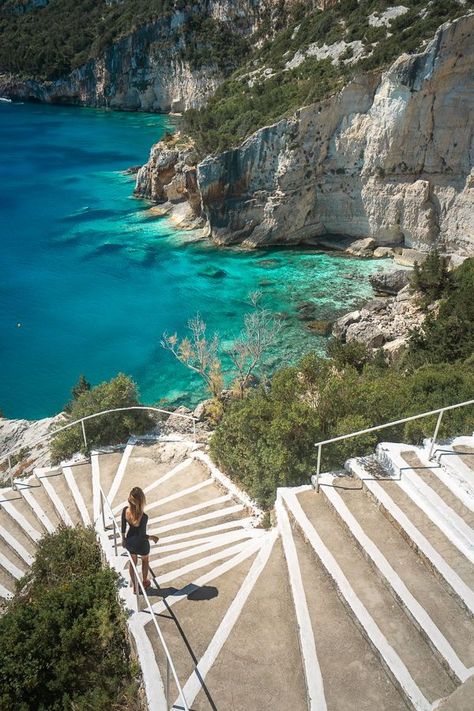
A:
[390,282]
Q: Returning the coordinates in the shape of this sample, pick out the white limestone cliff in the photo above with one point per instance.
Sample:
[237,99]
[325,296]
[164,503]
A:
[390,157]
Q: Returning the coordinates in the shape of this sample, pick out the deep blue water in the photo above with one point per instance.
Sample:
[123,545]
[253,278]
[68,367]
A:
[94,279]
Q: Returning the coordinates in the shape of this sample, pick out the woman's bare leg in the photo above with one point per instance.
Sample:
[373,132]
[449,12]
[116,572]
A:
[145,567]
[132,572]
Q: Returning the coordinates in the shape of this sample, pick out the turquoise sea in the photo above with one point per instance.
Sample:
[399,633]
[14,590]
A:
[90,280]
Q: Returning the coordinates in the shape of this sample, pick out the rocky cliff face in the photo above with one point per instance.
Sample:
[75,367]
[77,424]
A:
[146,70]
[391,157]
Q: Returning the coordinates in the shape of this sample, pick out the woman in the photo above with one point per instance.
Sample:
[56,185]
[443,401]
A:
[137,542]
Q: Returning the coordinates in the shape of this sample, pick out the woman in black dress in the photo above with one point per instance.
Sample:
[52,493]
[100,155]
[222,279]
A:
[136,540]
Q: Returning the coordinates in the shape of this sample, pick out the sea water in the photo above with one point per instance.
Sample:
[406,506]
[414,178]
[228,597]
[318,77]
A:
[91,280]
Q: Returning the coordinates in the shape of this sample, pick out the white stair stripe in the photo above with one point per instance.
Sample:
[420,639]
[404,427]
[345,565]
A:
[154,689]
[120,470]
[197,519]
[417,613]
[195,682]
[190,509]
[458,471]
[392,661]
[158,482]
[36,508]
[312,670]
[237,523]
[56,501]
[457,585]
[201,563]
[16,546]
[448,521]
[171,600]
[180,494]
[95,487]
[21,521]
[210,544]
[10,567]
[77,496]
[239,533]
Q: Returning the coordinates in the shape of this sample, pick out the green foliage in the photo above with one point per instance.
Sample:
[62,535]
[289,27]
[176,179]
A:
[80,387]
[267,439]
[432,278]
[354,354]
[49,42]
[263,91]
[449,334]
[121,391]
[63,634]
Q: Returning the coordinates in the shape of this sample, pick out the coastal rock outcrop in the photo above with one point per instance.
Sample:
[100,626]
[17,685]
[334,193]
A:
[148,69]
[382,323]
[22,436]
[389,157]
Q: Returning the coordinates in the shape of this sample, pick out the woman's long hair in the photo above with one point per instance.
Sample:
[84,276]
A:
[136,504]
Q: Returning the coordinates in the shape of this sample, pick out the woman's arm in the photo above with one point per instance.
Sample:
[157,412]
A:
[143,525]
[124,524]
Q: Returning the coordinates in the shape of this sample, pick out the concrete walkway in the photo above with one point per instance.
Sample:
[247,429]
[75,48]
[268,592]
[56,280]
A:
[359,598]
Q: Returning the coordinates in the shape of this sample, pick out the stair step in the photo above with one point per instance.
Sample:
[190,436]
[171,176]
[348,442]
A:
[61,497]
[400,646]
[444,559]
[76,495]
[353,677]
[108,465]
[40,504]
[83,477]
[250,659]
[147,469]
[7,584]
[447,627]
[438,512]
[188,633]
[15,538]
[21,516]
[463,506]
[229,513]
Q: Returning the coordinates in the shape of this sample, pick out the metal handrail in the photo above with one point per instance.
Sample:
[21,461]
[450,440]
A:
[82,420]
[440,412]
[169,661]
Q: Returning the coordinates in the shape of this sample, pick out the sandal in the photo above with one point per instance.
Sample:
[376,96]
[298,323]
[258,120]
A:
[146,584]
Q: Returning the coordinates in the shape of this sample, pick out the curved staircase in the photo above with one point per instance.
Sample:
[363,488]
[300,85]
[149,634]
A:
[360,597]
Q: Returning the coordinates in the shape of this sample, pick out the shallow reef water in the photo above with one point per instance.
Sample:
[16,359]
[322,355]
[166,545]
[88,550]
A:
[90,281]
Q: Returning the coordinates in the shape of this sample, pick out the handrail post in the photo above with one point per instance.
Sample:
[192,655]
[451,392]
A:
[84,434]
[137,584]
[435,435]
[167,683]
[115,538]
[102,509]
[318,468]
[10,473]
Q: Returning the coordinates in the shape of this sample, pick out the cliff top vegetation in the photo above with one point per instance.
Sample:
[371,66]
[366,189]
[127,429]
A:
[316,54]
[48,40]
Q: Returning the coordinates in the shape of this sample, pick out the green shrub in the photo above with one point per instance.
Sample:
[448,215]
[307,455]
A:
[63,635]
[432,278]
[267,440]
[448,335]
[113,428]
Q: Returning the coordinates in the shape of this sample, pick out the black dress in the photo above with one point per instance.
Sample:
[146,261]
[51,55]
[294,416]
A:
[136,541]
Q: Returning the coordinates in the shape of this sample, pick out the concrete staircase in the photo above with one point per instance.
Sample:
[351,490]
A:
[360,597]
